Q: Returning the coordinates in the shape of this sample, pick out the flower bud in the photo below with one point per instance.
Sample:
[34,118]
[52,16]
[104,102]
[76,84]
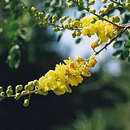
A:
[115,5]
[104,1]
[2,93]
[91,2]
[1,89]
[56,29]
[29,86]
[94,45]
[92,11]
[70,4]
[35,82]
[9,87]
[110,6]
[115,19]
[76,23]
[78,33]
[18,95]
[33,9]
[26,87]
[26,103]
[61,20]
[68,0]
[92,61]
[9,92]
[69,20]
[66,26]
[18,88]
[54,19]
[23,92]
[73,34]
[47,16]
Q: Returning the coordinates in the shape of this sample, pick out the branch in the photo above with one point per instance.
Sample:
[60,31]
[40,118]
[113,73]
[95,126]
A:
[117,3]
[126,27]
[103,18]
[24,94]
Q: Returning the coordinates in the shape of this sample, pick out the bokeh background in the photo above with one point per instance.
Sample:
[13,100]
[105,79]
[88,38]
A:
[101,102]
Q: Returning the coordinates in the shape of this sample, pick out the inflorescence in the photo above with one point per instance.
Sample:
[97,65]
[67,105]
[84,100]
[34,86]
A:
[72,72]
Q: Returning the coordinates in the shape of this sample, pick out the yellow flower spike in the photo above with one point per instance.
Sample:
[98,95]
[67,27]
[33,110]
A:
[94,45]
[64,75]
[92,61]
[85,71]
[79,59]
[92,29]
[85,21]
[60,90]
[85,31]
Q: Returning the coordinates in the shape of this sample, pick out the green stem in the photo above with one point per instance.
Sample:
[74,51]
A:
[27,93]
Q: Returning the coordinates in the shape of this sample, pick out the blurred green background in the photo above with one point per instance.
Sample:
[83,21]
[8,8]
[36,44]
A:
[27,51]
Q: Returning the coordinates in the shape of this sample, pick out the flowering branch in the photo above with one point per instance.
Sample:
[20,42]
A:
[96,53]
[100,17]
[71,72]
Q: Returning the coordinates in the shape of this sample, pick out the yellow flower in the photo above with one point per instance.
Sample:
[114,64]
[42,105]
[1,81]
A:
[85,31]
[64,75]
[94,45]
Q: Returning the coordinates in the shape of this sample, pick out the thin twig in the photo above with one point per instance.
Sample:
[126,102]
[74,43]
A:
[117,3]
[96,53]
[26,93]
[103,18]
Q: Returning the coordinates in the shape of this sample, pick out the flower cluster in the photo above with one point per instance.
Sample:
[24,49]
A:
[70,73]
[103,29]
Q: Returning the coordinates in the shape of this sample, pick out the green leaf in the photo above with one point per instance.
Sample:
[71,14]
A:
[59,36]
[46,4]
[78,40]
[129,36]
[14,57]
[14,26]
[129,59]
[117,53]
[117,44]
[127,44]
[82,15]
[125,53]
